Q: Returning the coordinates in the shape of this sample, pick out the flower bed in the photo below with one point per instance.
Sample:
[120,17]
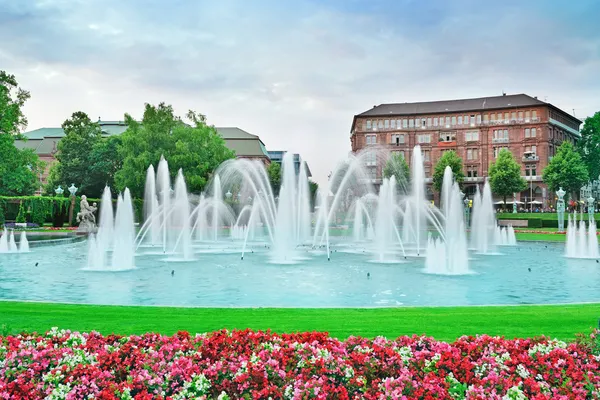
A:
[252,365]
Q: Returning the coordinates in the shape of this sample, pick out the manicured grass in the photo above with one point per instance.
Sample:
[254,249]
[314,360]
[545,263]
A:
[545,216]
[541,237]
[443,323]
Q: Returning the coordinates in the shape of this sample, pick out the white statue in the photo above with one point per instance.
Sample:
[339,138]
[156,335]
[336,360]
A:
[85,216]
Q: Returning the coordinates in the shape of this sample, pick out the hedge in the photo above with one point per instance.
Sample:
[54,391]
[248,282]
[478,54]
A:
[43,209]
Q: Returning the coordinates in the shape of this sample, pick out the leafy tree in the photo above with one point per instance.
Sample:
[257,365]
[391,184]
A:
[274,172]
[449,158]
[566,170]
[85,157]
[19,169]
[197,149]
[313,187]
[397,166]
[505,175]
[12,99]
[21,215]
[589,145]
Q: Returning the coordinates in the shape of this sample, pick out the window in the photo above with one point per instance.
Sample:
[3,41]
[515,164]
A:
[371,139]
[398,153]
[399,123]
[479,119]
[500,135]
[397,139]
[427,171]
[380,125]
[435,121]
[471,136]
[472,154]
[405,123]
[505,116]
[426,155]
[486,118]
[386,124]
[530,170]
[513,115]
[447,136]
[429,121]
[527,132]
[533,132]
[417,122]
[393,124]
[527,116]
[534,114]
[520,115]
[373,173]
[424,138]
[472,171]
[447,121]
[460,119]
[423,122]
[371,159]
[368,124]
[497,150]
[493,117]
[453,121]
[411,123]
[531,149]
[473,119]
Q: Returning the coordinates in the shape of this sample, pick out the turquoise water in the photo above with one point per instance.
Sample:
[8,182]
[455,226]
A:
[218,277]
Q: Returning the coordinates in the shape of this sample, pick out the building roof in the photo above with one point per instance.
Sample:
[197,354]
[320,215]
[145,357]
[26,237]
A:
[460,105]
[243,143]
[108,128]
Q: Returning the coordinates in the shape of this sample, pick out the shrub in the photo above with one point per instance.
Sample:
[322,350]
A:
[534,223]
[2,217]
[21,215]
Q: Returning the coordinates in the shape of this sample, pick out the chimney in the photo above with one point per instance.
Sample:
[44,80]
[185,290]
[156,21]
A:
[503,93]
[535,97]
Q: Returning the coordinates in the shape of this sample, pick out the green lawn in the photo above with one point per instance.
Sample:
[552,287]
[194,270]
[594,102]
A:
[444,323]
[546,216]
[541,237]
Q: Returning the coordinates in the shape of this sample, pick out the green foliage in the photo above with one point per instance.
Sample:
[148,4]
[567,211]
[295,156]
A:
[2,216]
[21,215]
[313,187]
[589,145]
[398,167]
[274,172]
[197,149]
[505,175]
[42,208]
[12,99]
[449,158]
[534,223]
[566,170]
[19,169]
[84,157]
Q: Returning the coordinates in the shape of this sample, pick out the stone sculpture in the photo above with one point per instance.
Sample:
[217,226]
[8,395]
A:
[85,216]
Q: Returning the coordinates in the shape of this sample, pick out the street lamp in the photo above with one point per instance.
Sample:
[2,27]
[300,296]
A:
[72,189]
[228,195]
[59,191]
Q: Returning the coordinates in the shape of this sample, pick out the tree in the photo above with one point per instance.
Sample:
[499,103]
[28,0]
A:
[589,145]
[313,187]
[274,172]
[397,166]
[12,99]
[84,157]
[449,158]
[19,169]
[197,149]
[566,170]
[505,175]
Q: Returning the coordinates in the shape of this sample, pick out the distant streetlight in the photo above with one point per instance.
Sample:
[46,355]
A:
[59,191]
[72,190]
[228,195]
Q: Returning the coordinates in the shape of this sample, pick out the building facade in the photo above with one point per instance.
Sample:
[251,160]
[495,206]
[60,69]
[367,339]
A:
[476,129]
[276,156]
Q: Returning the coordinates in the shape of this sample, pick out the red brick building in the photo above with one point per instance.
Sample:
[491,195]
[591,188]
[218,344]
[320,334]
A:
[477,129]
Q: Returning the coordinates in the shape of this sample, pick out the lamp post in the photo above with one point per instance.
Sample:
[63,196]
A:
[59,191]
[514,203]
[72,189]
[590,201]
[228,195]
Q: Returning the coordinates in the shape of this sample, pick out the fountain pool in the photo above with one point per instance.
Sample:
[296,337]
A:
[219,278]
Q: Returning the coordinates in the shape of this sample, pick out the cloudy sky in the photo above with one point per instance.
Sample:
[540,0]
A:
[295,72]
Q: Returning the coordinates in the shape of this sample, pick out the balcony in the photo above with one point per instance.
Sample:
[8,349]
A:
[443,143]
[500,140]
[531,158]
[472,179]
[533,178]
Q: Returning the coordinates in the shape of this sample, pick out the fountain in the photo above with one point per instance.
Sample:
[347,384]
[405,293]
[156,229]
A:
[23,243]
[448,255]
[114,235]
[582,241]
[485,232]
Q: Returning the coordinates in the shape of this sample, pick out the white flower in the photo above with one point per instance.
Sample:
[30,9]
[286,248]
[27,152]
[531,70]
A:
[522,371]
[514,393]
[60,392]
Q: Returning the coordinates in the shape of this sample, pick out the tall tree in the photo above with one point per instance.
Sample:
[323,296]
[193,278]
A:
[19,169]
[313,187]
[505,175]
[397,166]
[197,148]
[589,145]
[12,99]
[274,172]
[84,157]
[449,158]
[566,170]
